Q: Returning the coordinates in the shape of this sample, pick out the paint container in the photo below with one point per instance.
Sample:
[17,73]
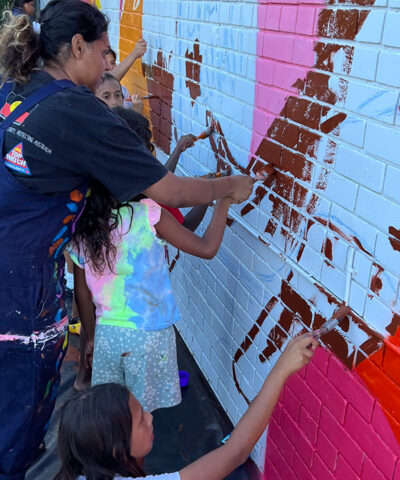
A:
[183,378]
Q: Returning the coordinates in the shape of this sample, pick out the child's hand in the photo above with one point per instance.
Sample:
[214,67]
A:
[140,48]
[296,355]
[137,103]
[186,141]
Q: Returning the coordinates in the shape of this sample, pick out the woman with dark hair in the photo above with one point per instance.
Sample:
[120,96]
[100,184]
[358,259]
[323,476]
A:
[56,137]
[104,430]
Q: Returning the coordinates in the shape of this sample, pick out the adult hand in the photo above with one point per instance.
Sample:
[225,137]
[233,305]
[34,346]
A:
[89,348]
[137,103]
[140,48]
[186,141]
[242,188]
[296,355]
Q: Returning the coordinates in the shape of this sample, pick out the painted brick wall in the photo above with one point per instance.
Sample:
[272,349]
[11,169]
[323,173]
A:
[313,88]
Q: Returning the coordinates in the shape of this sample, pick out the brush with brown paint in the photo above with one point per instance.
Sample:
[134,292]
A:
[205,134]
[333,322]
[146,97]
[264,173]
[222,173]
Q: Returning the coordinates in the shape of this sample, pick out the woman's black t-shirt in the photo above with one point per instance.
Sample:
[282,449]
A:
[72,137]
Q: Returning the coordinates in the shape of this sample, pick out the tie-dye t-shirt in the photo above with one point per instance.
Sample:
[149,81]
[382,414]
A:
[137,294]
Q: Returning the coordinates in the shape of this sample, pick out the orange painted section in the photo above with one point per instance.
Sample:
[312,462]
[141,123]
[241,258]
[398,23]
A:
[130,33]
[381,374]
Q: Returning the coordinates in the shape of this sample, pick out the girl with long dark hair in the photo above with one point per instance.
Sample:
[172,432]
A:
[105,429]
[120,267]
[56,138]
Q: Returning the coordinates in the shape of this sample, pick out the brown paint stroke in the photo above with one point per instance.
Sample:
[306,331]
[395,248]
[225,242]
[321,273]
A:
[332,123]
[297,310]
[395,242]
[376,282]
[304,111]
[193,65]
[328,249]
[394,325]
[160,83]
[248,341]
[173,263]
[341,24]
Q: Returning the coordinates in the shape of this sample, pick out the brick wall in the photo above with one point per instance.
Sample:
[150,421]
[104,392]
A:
[314,89]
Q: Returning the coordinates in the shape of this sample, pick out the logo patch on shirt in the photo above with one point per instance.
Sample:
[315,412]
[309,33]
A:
[16,161]
[9,108]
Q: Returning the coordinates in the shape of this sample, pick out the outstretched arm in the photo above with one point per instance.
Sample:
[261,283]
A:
[121,69]
[186,192]
[186,141]
[217,464]
[194,217]
[182,238]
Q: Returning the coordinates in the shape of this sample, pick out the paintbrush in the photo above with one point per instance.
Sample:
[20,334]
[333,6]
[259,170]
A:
[205,134]
[333,322]
[146,97]
[223,173]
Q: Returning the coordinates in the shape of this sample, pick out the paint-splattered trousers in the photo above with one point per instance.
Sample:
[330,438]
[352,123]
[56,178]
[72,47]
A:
[33,329]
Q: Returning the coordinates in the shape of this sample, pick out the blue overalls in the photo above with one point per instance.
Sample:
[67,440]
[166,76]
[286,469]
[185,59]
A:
[34,229]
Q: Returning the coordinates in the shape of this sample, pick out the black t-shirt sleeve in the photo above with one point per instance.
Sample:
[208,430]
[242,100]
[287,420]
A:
[123,164]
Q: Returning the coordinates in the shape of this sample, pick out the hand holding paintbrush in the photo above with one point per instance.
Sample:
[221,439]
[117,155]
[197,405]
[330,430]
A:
[333,322]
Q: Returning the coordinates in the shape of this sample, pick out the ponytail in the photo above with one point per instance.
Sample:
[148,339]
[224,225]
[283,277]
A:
[19,48]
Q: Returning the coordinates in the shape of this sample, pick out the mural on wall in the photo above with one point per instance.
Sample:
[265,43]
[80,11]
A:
[288,85]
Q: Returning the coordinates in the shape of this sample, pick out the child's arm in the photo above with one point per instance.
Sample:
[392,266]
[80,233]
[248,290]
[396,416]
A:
[217,464]
[186,191]
[120,70]
[180,237]
[194,217]
[186,141]
[87,310]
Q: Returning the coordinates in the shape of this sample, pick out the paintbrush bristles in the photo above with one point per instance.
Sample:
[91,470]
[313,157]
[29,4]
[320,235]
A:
[205,134]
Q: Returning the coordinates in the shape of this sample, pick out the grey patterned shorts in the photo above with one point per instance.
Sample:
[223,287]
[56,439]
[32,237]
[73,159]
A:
[144,361]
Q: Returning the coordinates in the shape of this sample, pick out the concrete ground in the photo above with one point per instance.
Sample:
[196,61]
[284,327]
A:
[182,433]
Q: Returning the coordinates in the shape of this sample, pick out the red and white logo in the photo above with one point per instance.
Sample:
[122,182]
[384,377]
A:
[9,108]
[15,160]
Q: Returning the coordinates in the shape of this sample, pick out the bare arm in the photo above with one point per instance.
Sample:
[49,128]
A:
[194,217]
[121,69]
[84,302]
[217,464]
[186,141]
[180,237]
[185,192]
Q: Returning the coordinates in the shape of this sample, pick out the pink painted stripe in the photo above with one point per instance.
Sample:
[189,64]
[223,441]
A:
[285,50]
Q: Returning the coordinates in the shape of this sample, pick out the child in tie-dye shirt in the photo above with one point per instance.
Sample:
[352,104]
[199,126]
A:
[120,266]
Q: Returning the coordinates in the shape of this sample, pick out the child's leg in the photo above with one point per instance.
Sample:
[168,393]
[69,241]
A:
[84,375]
[107,363]
[151,369]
